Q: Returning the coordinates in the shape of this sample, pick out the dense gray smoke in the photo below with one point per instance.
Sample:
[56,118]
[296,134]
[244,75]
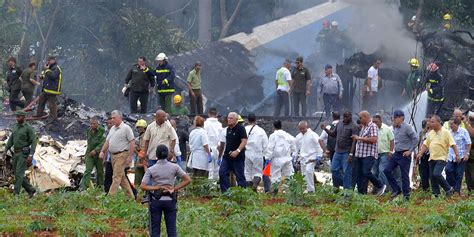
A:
[378,24]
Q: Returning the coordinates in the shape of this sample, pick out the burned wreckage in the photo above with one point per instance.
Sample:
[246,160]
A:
[61,148]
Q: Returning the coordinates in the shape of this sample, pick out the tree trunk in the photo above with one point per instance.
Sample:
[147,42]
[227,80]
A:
[419,11]
[226,23]
[45,38]
[205,13]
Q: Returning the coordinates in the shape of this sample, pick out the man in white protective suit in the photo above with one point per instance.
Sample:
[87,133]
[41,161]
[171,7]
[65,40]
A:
[307,144]
[256,143]
[213,128]
[279,149]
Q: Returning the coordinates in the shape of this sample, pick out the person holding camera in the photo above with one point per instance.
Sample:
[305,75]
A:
[159,181]
[23,141]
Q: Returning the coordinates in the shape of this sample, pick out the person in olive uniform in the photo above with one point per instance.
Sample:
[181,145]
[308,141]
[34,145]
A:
[14,84]
[301,87]
[23,141]
[28,82]
[95,140]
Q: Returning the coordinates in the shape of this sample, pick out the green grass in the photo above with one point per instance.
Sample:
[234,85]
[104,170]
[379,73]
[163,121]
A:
[241,212]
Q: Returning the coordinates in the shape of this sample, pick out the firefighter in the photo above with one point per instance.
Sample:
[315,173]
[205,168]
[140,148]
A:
[52,80]
[139,162]
[435,83]
[165,75]
[23,141]
[322,35]
[413,83]
[14,84]
[447,22]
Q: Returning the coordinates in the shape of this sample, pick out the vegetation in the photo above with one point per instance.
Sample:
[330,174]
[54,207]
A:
[240,212]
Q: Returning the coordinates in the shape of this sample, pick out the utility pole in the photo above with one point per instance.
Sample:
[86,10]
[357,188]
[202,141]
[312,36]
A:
[205,13]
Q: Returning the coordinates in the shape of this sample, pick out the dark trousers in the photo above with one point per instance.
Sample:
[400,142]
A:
[282,99]
[165,101]
[424,169]
[370,102]
[434,107]
[331,103]
[436,168]
[134,97]
[28,94]
[299,98]
[236,165]
[19,168]
[470,175]
[455,173]
[52,101]
[196,102]
[15,100]
[267,183]
[200,173]
[156,209]
[364,174]
[108,176]
[398,160]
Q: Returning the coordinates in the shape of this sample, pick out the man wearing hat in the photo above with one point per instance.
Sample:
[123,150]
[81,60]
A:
[28,82]
[406,141]
[301,87]
[52,82]
[23,141]
[330,87]
[179,109]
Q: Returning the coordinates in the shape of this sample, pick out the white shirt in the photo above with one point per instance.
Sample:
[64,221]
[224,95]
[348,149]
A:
[222,135]
[197,140]
[286,77]
[308,144]
[213,128]
[324,134]
[280,145]
[177,151]
[257,140]
[374,75]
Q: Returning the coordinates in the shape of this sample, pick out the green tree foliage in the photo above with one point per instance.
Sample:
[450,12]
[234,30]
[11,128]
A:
[433,10]
[96,42]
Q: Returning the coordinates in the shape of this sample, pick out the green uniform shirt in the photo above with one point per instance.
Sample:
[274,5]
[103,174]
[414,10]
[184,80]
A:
[179,110]
[194,78]
[23,135]
[95,140]
[413,83]
[26,76]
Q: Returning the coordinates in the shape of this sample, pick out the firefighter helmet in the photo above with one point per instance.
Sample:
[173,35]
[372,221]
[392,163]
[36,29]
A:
[432,67]
[447,17]
[414,62]
[141,123]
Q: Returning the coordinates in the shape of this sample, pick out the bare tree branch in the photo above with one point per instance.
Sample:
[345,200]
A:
[226,23]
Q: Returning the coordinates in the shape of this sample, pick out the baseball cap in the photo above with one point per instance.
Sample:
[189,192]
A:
[398,113]
[327,66]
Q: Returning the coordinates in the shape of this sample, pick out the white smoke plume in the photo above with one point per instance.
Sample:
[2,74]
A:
[379,23]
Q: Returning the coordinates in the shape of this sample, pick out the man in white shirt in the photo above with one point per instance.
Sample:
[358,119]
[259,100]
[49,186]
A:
[279,149]
[283,83]
[307,143]
[372,86]
[256,143]
[213,128]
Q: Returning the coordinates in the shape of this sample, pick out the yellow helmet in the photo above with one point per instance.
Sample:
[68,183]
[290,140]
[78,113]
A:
[447,17]
[177,99]
[447,26]
[141,123]
[414,62]
[240,119]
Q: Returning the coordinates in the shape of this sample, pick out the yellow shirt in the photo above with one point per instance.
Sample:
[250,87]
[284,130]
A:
[159,135]
[446,125]
[438,144]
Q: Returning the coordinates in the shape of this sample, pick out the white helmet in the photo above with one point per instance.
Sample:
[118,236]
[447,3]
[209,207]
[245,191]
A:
[161,56]
[334,23]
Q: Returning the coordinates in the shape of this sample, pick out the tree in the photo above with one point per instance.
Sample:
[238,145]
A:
[227,22]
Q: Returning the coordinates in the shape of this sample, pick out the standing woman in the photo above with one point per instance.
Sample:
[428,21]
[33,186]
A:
[200,156]
[163,193]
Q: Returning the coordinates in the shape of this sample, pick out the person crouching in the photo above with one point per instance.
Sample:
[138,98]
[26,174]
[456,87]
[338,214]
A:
[163,193]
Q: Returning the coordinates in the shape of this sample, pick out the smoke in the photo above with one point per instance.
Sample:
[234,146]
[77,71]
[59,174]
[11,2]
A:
[377,24]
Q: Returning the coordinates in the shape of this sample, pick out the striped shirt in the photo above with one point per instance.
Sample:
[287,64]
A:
[365,149]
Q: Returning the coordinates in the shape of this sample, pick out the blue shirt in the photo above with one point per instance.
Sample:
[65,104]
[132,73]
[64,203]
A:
[462,139]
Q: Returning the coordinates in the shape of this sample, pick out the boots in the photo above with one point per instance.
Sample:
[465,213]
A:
[255,183]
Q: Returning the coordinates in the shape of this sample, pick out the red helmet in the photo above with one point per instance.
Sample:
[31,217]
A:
[326,23]
[432,67]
